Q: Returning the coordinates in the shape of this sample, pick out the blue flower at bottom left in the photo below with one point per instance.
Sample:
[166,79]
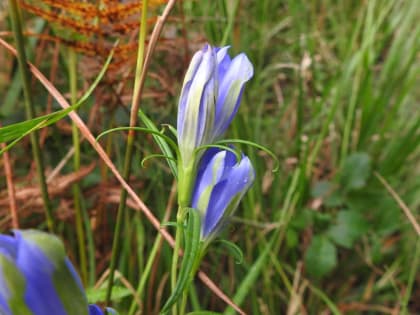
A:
[37,278]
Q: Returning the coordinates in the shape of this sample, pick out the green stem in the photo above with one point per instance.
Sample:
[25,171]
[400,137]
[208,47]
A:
[175,257]
[30,111]
[186,177]
[231,20]
[146,272]
[76,165]
[350,118]
[128,151]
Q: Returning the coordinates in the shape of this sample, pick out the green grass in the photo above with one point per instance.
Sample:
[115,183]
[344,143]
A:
[334,96]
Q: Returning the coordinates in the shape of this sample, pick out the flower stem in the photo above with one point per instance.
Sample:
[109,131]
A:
[178,241]
[30,111]
[128,151]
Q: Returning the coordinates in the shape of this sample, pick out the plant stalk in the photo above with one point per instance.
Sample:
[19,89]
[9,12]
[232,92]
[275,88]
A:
[76,165]
[129,151]
[30,110]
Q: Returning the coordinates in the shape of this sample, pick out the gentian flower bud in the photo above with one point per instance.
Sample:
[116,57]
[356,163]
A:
[37,278]
[210,97]
[220,184]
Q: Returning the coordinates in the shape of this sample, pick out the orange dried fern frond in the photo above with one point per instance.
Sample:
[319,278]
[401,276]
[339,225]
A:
[88,18]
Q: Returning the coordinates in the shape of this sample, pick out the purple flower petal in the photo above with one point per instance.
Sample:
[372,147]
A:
[8,246]
[210,98]
[38,271]
[196,106]
[233,76]
[220,184]
[95,310]
[36,276]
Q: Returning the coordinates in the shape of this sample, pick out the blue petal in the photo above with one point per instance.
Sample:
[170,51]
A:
[223,62]
[232,77]
[207,101]
[197,105]
[220,184]
[40,296]
[192,70]
[95,310]
[111,311]
[8,246]
[213,213]
[210,171]
[227,194]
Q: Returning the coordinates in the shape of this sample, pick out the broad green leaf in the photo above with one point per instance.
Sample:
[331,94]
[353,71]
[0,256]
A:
[95,295]
[350,226]
[189,260]
[292,238]
[321,189]
[321,256]
[302,219]
[356,171]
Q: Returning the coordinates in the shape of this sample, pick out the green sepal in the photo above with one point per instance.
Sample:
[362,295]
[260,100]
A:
[190,260]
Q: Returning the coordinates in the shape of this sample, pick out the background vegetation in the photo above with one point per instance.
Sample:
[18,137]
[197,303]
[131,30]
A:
[335,96]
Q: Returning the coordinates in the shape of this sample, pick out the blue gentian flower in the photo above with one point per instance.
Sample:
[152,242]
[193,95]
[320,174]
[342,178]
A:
[220,184]
[37,278]
[210,97]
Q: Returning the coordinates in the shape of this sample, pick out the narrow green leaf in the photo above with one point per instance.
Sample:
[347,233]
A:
[253,273]
[204,313]
[163,145]
[16,132]
[152,156]
[256,145]
[146,130]
[189,261]
[234,250]
[223,147]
